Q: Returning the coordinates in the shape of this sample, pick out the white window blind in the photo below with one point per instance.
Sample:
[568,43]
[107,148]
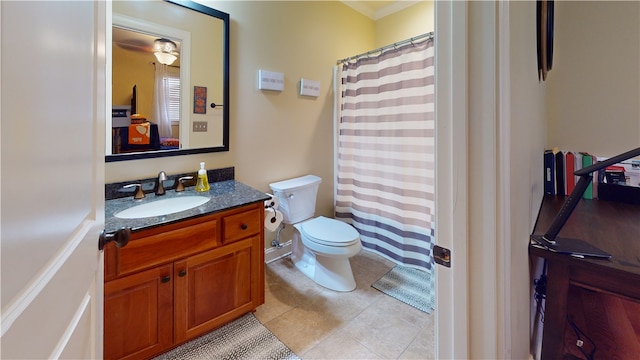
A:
[172,83]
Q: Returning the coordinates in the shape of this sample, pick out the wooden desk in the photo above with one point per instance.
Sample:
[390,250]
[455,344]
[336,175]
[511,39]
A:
[601,296]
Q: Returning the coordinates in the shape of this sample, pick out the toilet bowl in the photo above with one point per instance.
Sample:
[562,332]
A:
[321,249]
[321,246]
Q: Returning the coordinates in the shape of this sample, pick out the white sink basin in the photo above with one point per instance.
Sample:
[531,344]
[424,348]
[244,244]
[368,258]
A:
[162,207]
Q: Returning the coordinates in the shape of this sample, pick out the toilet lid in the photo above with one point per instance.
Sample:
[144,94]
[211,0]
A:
[330,232]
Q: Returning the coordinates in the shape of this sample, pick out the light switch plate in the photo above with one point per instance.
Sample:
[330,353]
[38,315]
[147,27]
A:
[270,80]
[309,87]
[199,126]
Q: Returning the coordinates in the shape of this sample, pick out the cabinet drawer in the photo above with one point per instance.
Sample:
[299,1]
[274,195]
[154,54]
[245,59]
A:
[165,246]
[239,226]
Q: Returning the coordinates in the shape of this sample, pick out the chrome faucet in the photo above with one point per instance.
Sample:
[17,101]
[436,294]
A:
[162,176]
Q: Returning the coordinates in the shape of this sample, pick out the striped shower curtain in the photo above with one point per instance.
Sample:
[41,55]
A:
[385,152]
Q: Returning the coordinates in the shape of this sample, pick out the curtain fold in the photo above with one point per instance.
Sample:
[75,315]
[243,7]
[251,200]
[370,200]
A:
[386,152]
[160,108]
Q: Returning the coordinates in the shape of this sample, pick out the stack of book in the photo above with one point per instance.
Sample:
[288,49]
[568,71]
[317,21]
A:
[559,166]
[558,172]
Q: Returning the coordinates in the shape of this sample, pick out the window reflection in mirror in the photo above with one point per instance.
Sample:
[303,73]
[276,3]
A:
[140,84]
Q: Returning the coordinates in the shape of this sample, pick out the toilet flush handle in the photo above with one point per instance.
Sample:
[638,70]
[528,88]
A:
[291,196]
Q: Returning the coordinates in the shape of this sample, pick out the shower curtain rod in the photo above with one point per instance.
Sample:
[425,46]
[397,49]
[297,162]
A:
[394,45]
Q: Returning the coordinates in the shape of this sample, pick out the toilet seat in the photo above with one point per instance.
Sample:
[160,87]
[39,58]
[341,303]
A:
[329,232]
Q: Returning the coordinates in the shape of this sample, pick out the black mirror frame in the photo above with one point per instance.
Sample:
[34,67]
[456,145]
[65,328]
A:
[225,94]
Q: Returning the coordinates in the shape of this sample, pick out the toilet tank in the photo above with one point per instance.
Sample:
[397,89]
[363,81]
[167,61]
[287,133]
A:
[297,197]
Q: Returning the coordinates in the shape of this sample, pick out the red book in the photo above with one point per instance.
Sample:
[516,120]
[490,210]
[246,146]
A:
[570,179]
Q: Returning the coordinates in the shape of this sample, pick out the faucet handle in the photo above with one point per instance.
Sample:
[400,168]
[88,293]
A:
[159,189]
[139,193]
[180,185]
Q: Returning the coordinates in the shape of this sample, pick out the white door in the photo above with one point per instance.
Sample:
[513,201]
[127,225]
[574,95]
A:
[52,185]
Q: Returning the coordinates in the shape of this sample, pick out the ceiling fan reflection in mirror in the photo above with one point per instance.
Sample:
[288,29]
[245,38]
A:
[166,51]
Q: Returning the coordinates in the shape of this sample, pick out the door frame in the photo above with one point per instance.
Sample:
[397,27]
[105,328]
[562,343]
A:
[452,304]
[473,71]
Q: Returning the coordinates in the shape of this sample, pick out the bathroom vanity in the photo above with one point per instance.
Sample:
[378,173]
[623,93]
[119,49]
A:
[182,274]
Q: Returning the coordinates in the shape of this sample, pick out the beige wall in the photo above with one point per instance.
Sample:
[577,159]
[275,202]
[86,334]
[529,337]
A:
[405,24]
[134,68]
[594,86]
[263,148]
[275,135]
[278,135]
[527,134]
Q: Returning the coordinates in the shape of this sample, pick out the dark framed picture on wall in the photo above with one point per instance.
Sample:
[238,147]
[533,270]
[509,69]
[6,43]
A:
[544,34]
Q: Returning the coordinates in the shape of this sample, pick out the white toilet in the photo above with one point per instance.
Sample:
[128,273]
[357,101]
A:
[321,247]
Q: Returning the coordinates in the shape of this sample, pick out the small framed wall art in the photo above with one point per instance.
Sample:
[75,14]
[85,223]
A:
[199,99]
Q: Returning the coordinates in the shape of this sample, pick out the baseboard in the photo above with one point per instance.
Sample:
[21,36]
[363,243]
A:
[273,253]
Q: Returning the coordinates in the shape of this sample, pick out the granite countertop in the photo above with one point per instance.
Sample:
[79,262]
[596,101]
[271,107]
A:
[223,194]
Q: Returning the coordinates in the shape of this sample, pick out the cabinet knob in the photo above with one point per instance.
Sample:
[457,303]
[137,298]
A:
[182,273]
[244,226]
[166,279]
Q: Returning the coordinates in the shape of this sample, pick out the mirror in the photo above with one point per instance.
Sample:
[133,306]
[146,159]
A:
[168,109]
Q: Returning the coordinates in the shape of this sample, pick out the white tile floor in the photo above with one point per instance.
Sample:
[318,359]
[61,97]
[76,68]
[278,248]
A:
[317,323]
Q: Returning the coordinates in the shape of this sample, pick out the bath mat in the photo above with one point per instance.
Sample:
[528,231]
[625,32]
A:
[244,338]
[411,286]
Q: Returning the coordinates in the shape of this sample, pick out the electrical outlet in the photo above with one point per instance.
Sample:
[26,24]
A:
[199,126]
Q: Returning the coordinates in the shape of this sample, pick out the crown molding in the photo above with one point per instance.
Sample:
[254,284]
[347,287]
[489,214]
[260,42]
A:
[378,13]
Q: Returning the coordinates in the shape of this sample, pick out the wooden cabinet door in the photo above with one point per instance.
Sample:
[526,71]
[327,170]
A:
[138,313]
[215,287]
